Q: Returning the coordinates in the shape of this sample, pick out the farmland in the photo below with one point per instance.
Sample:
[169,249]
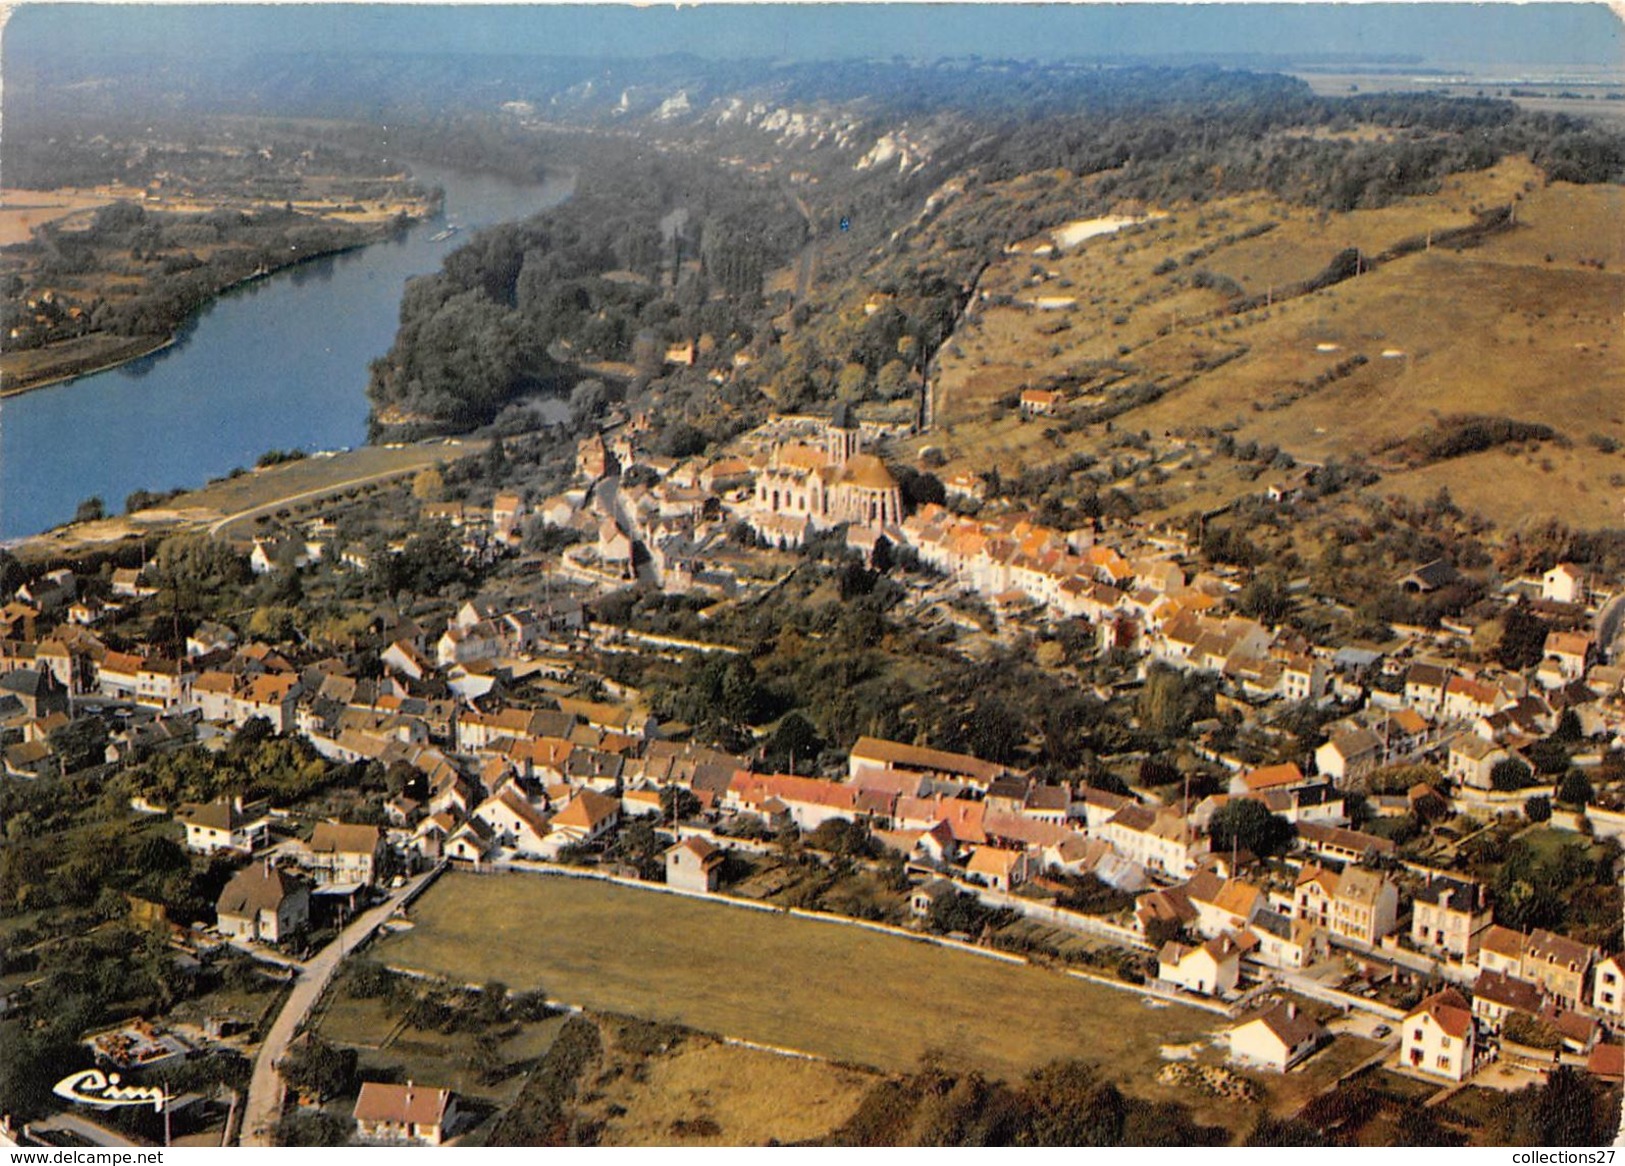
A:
[843,993]
[1202,319]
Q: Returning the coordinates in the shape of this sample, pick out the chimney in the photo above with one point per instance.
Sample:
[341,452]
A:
[1292,1010]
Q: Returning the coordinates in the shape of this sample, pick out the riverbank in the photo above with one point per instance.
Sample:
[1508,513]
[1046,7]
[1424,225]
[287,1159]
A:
[283,365]
[72,366]
[75,364]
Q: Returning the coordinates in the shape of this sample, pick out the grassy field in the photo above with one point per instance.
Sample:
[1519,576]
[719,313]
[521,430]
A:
[1524,325]
[243,498]
[839,992]
[21,211]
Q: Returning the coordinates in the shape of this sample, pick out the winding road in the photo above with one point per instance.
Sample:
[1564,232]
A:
[263,1109]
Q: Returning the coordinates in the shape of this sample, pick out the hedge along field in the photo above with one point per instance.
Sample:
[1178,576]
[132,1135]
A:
[840,992]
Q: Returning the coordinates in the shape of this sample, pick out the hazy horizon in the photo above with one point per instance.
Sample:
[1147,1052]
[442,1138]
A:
[1557,34]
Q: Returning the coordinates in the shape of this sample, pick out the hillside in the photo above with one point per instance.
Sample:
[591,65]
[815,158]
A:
[1208,318]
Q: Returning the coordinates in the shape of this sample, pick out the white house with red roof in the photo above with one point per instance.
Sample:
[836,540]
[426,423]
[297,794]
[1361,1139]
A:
[410,1113]
[1209,969]
[694,864]
[1438,1037]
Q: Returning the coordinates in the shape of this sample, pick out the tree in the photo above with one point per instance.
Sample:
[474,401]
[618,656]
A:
[678,804]
[1265,599]
[1249,825]
[959,912]
[1172,700]
[1523,637]
[1068,1105]
[794,743]
[80,744]
[428,485]
[1538,808]
[1510,773]
[1575,789]
[843,838]
[1549,756]
[92,509]
[318,1069]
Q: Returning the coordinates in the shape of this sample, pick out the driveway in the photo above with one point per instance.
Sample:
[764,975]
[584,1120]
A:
[264,1106]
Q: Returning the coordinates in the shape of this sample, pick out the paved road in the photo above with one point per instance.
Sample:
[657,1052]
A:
[264,1106]
[1610,629]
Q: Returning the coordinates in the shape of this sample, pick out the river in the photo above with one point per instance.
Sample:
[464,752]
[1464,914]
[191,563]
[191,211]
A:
[280,363]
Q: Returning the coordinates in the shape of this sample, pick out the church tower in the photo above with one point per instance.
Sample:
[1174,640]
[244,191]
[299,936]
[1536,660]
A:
[843,437]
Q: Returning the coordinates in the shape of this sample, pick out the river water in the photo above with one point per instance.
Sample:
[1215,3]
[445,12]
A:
[280,363]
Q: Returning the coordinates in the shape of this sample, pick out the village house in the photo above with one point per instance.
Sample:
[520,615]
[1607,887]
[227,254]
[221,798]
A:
[1366,906]
[472,842]
[128,584]
[1276,1039]
[1470,760]
[694,865]
[946,772]
[1284,942]
[1001,869]
[1359,905]
[589,816]
[1558,964]
[273,697]
[514,822]
[1496,995]
[343,853]
[1608,987]
[1569,652]
[1040,402]
[410,1113]
[1500,949]
[1269,777]
[1438,1037]
[1564,583]
[1349,757]
[1424,688]
[1212,968]
[263,904]
[1158,839]
[226,824]
[38,692]
[1466,699]
[1449,915]
[507,510]
[1222,904]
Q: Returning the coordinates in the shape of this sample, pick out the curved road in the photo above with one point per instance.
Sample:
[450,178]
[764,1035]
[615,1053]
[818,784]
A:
[263,1109]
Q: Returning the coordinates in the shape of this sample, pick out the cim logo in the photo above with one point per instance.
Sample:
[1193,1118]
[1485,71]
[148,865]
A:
[93,1087]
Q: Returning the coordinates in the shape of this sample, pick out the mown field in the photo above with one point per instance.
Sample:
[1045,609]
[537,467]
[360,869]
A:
[839,992]
[1523,323]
